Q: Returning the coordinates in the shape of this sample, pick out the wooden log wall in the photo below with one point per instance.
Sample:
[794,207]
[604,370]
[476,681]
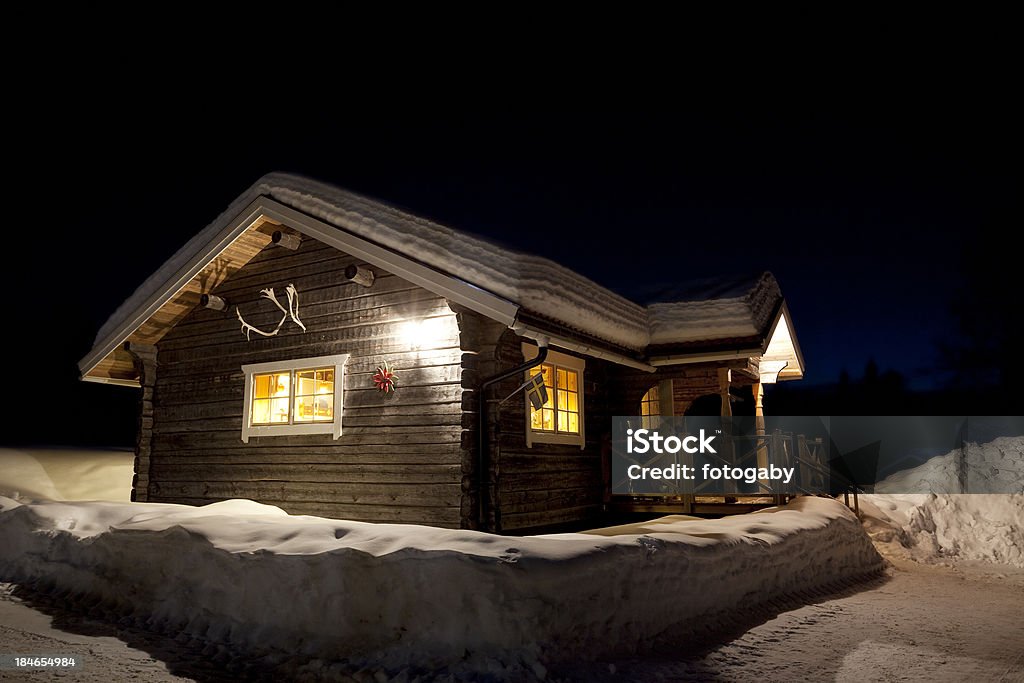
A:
[144,360]
[400,458]
[479,338]
[549,484]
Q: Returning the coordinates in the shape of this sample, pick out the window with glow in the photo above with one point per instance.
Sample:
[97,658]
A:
[560,419]
[650,409]
[301,396]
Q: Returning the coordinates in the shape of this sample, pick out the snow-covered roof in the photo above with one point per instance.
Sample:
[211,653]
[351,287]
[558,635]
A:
[517,282]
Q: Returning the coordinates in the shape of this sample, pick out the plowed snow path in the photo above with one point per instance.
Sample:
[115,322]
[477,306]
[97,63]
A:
[925,623]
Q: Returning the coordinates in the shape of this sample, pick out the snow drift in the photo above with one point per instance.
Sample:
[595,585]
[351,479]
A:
[66,474]
[262,581]
[934,528]
[937,526]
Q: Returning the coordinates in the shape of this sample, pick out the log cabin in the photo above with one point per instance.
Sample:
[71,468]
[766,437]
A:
[265,350]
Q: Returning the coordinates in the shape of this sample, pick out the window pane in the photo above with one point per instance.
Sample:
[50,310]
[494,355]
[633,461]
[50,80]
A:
[571,401]
[278,410]
[270,398]
[324,410]
[561,378]
[270,385]
[544,419]
[261,386]
[571,376]
[305,381]
[314,395]
[574,423]
[563,421]
[260,412]
[303,409]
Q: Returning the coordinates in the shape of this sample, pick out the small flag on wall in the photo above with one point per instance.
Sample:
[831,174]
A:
[536,391]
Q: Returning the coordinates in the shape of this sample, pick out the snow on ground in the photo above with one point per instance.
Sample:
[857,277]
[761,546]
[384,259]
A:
[66,474]
[943,527]
[918,623]
[937,528]
[262,582]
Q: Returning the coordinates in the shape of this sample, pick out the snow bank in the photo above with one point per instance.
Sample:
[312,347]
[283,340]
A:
[934,528]
[262,581]
[940,526]
[66,474]
[993,467]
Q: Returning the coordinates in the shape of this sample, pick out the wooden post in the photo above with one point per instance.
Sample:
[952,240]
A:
[729,452]
[762,445]
[724,381]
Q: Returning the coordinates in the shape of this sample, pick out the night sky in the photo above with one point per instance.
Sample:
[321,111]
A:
[866,214]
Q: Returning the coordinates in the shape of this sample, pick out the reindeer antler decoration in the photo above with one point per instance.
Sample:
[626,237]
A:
[291,312]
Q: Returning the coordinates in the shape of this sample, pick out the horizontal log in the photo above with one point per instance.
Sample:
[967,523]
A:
[270,452]
[383,413]
[374,340]
[550,463]
[553,500]
[321,473]
[279,272]
[357,424]
[549,518]
[306,278]
[395,436]
[527,481]
[441,495]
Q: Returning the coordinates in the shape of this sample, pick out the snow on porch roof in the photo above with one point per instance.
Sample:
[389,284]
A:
[504,284]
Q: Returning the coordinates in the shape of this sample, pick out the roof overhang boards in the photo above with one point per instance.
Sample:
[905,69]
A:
[778,359]
[235,246]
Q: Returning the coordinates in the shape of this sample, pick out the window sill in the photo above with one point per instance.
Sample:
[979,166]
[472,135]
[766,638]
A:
[290,430]
[557,439]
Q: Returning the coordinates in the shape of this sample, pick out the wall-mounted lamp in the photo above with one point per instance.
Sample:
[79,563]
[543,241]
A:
[422,334]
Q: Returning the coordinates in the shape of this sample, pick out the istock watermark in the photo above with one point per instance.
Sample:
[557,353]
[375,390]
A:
[828,455]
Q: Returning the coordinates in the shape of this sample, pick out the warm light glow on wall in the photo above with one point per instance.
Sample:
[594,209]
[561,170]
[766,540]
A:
[423,334]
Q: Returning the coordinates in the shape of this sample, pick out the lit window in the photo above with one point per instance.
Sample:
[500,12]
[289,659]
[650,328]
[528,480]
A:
[301,396]
[650,409]
[560,419]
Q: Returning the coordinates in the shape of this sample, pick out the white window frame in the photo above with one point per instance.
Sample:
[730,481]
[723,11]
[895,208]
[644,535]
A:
[337,361]
[569,363]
